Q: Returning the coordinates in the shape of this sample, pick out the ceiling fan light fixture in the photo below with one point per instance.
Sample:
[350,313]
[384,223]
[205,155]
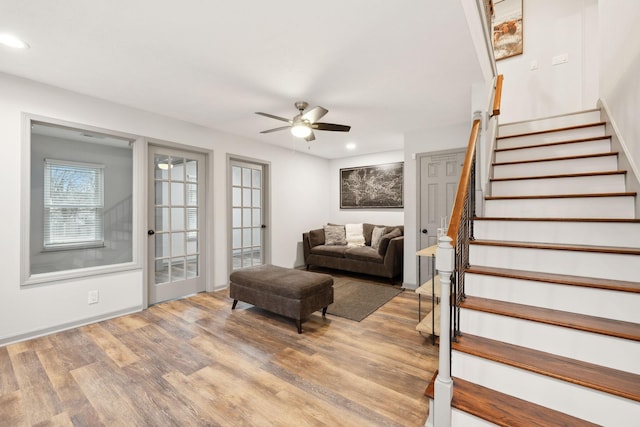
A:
[300,130]
[13,41]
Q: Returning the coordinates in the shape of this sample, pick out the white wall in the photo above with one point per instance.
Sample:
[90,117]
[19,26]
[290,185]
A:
[551,28]
[299,201]
[427,141]
[620,71]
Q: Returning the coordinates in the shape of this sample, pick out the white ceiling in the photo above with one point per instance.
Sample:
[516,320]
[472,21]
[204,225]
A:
[384,67]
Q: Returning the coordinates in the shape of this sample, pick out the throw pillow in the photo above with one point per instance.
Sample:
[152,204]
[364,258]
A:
[384,241]
[376,236]
[354,235]
[316,237]
[334,235]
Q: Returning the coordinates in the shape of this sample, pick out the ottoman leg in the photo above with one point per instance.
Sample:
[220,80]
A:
[235,301]
[299,325]
[324,311]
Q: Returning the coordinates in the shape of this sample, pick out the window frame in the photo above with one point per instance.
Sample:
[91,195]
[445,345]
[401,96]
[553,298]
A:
[139,148]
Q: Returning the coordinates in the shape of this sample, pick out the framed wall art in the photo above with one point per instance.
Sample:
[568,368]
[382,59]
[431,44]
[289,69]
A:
[507,28]
[369,187]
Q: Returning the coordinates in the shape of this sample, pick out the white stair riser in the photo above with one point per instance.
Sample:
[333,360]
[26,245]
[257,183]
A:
[575,233]
[574,299]
[587,264]
[581,118]
[545,138]
[556,167]
[602,350]
[573,207]
[575,400]
[465,419]
[565,185]
[551,151]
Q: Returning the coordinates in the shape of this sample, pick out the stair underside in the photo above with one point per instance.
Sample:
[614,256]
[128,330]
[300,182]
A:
[582,322]
[504,410]
[561,279]
[559,247]
[607,380]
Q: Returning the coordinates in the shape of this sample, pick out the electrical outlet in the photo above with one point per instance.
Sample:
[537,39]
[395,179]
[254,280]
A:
[533,65]
[94,297]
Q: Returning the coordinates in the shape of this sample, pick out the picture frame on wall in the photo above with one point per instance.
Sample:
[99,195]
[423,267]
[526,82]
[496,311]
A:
[372,187]
[507,29]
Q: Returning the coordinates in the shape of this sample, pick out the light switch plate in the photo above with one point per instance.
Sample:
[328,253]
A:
[560,59]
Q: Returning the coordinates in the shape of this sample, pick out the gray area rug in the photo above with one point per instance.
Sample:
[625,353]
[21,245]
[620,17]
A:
[356,300]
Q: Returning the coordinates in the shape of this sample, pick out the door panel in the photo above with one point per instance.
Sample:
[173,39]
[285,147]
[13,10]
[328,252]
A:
[438,180]
[247,214]
[176,219]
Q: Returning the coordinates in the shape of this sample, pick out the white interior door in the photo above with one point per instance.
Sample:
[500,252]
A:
[176,223]
[439,177]
[248,207]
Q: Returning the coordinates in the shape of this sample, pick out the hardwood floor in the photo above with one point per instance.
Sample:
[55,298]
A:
[195,362]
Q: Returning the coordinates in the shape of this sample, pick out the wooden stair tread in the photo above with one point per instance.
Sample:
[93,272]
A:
[550,144]
[553,159]
[582,322]
[607,380]
[562,279]
[498,218]
[558,246]
[562,196]
[505,410]
[541,132]
[502,409]
[566,175]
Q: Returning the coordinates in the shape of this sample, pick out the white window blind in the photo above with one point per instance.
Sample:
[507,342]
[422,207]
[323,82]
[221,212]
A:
[73,204]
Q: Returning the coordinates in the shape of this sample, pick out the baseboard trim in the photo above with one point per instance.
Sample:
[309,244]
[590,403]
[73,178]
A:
[66,326]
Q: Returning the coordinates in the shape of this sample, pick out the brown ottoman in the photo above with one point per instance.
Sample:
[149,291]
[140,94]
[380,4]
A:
[285,291]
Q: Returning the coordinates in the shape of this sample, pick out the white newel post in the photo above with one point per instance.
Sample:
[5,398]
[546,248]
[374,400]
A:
[443,387]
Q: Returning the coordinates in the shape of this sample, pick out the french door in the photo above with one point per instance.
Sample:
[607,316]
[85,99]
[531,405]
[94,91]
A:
[176,220]
[248,225]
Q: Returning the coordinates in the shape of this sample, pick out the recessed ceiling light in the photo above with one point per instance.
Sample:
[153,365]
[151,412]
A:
[12,41]
[351,146]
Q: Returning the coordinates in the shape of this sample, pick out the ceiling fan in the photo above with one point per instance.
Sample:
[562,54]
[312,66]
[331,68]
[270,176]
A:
[303,124]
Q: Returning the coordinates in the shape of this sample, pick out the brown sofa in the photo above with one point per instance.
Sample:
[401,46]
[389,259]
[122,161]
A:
[385,261]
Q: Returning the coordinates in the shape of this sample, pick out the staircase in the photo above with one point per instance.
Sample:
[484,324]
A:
[551,321]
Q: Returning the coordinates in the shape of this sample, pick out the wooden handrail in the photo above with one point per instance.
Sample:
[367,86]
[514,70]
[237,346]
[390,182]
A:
[458,206]
[497,98]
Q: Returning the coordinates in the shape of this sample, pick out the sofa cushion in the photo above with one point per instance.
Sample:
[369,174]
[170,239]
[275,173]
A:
[336,251]
[384,241]
[364,253]
[316,237]
[376,236]
[334,235]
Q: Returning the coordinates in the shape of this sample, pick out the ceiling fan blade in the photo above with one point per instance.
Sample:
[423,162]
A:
[274,117]
[330,126]
[276,129]
[315,114]
[311,137]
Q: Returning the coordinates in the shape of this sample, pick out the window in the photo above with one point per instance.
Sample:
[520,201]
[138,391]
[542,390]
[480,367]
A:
[73,205]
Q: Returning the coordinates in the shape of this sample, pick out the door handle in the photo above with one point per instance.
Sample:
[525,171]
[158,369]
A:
[151,232]
[424,231]
[263,226]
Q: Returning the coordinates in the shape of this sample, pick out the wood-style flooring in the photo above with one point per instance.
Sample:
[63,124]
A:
[194,362]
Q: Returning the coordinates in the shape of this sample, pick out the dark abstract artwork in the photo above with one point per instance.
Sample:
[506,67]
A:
[378,186]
